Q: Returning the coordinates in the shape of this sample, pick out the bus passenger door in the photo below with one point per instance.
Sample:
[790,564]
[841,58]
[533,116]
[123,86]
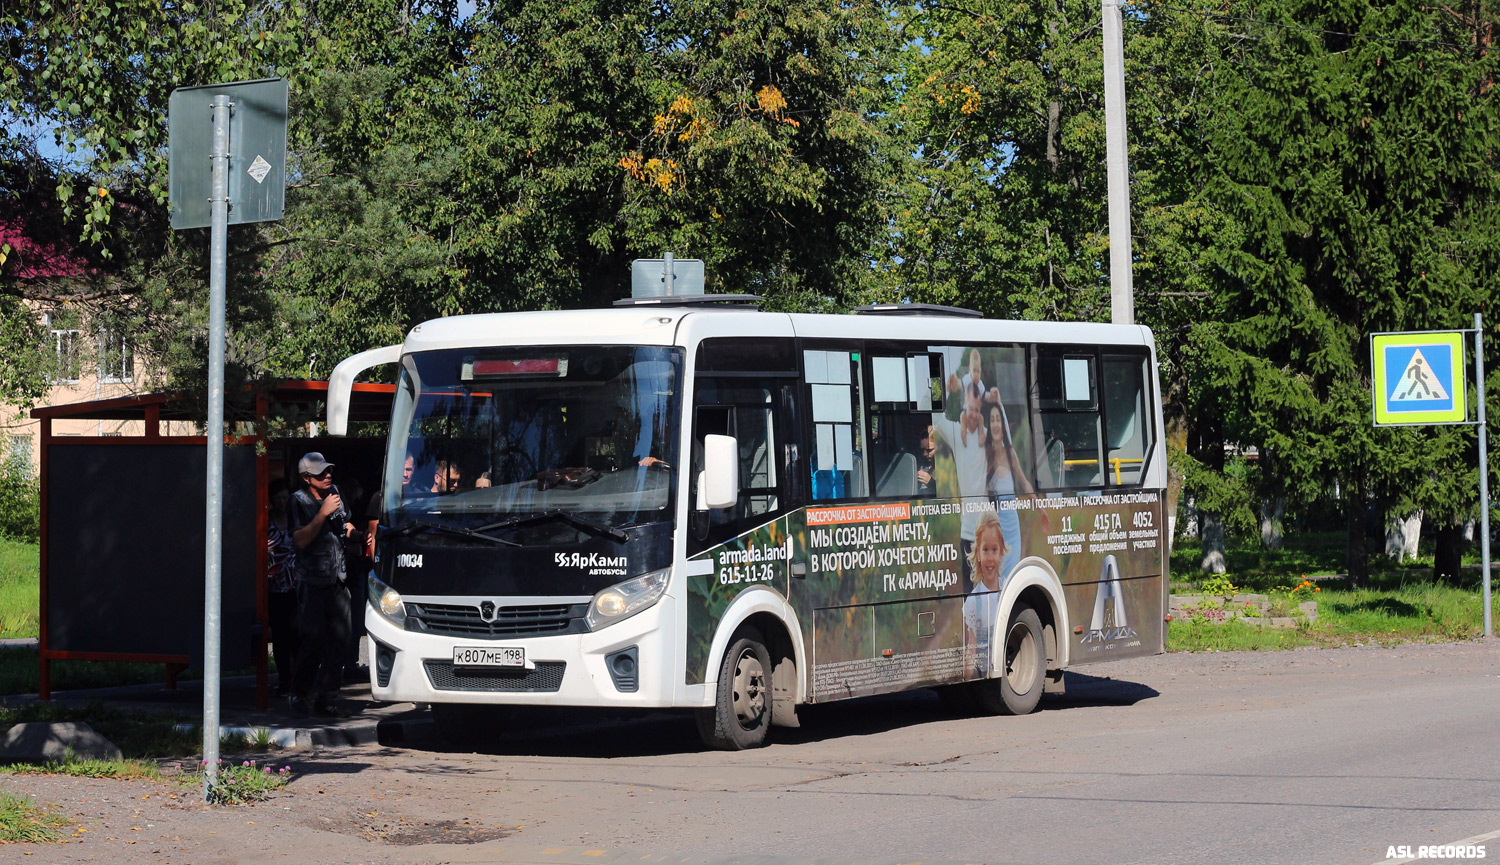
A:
[742,390]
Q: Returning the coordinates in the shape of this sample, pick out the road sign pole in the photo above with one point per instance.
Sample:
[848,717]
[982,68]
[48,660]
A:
[1484,473]
[218,247]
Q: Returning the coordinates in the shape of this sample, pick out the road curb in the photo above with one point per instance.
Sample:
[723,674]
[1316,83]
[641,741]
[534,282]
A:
[362,733]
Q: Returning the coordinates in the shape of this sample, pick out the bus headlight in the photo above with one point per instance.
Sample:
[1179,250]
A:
[387,600]
[625,599]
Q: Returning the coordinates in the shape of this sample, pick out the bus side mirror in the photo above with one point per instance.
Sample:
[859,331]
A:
[341,383]
[719,482]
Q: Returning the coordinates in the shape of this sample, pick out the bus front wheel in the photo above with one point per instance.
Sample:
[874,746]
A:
[1018,688]
[741,714]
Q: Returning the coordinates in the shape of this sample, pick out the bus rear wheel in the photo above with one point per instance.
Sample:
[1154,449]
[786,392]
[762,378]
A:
[741,714]
[1018,688]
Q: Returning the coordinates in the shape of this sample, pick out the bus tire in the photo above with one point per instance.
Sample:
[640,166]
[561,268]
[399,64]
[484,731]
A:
[464,725]
[1023,668]
[741,714]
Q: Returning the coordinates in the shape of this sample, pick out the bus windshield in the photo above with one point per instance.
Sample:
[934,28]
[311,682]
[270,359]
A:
[499,440]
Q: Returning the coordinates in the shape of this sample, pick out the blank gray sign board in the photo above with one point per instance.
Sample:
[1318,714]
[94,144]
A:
[257,151]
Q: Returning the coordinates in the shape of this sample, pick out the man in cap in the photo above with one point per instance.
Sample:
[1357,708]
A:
[318,521]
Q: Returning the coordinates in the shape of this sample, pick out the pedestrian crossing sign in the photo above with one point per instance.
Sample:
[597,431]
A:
[1418,378]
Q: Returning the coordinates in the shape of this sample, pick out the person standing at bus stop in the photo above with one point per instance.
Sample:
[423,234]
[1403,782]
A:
[319,522]
[281,587]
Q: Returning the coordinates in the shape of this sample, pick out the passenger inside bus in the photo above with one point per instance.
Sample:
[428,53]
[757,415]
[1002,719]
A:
[927,465]
[448,477]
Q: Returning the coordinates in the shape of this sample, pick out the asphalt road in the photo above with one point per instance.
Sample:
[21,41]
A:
[1312,756]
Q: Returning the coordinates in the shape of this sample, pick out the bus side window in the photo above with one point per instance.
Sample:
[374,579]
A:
[1127,420]
[1070,455]
[905,391]
[836,466]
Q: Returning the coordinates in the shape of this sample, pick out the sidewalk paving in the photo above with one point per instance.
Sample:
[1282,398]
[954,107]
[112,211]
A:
[369,721]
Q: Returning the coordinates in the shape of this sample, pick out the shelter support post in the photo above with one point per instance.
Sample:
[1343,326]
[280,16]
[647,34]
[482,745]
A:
[262,559]
[44,672]
[173,670]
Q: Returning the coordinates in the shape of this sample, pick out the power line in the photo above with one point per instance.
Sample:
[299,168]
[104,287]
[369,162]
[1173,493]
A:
[1318,30]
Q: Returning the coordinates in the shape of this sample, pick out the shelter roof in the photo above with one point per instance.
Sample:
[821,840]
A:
[369,402]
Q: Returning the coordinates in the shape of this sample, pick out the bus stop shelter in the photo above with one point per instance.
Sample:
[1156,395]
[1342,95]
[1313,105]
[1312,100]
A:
[122,523]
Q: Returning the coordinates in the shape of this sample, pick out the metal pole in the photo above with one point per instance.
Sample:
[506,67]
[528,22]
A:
[666,274]
[1484,473]
[213,518]
[1121,289]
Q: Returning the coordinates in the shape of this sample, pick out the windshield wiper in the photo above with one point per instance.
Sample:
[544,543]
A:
[590,526]
[413,526]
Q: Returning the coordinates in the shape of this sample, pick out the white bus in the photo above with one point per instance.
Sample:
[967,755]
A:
[686,502]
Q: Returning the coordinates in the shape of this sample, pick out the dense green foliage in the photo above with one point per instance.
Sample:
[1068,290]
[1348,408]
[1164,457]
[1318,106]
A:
[1294,188]
[1361,178]
[20,511]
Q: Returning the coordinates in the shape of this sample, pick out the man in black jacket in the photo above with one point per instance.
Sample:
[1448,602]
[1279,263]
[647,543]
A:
[318,520]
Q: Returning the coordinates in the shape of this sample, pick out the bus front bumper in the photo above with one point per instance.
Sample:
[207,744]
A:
[565,670]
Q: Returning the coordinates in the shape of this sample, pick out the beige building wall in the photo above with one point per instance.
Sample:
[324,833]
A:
[90,366]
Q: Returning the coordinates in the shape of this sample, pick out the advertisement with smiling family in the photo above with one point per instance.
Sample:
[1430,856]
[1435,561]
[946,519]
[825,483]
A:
[903,594]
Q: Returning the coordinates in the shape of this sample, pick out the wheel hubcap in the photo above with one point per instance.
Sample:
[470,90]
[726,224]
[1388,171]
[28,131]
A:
[1020,658]
[749,690]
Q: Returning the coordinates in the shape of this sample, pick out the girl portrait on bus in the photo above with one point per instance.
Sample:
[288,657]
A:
[1004,479]
[986,560]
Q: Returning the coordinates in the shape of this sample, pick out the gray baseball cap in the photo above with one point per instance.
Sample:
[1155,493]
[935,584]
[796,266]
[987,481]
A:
[312,463]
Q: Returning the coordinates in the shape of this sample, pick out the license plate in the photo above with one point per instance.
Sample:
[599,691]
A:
[489,656]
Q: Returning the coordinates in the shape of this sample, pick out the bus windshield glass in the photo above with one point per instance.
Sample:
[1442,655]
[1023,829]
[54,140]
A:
[493,440]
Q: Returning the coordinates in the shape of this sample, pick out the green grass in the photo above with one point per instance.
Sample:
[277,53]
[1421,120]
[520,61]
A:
[1232,636]
[1416,611]
[19,589]
[1401,604]
[21,821]
[1390,612]
[120,769]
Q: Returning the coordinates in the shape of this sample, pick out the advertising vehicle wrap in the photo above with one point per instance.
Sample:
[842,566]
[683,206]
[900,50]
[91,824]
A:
[893,597]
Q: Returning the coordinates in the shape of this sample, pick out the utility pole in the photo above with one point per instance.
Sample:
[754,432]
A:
[1484,474]
[1121,287]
